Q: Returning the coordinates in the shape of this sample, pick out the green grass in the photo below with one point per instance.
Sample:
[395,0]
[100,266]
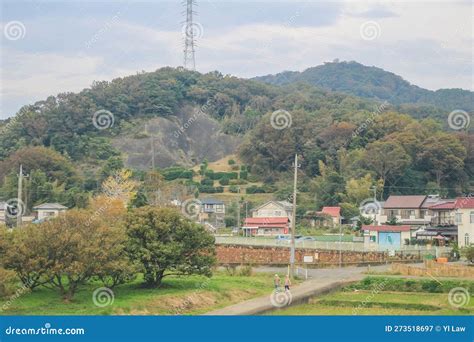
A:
[360,299]
[177,295]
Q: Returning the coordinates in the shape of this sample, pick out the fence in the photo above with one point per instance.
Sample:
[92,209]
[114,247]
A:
[333,245]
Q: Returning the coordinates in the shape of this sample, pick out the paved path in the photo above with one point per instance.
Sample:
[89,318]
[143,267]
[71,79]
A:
[322,281]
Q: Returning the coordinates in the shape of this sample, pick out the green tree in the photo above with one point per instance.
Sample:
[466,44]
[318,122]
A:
[164,243]
[387,159]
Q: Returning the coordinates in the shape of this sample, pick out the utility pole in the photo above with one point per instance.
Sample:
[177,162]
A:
[238,214]
[293,220]
[152,148]
[19,203]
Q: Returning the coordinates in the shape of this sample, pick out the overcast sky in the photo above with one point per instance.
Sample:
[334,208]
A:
[57,46]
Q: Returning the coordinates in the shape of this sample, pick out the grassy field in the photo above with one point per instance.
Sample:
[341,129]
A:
[353,300]
[183,295]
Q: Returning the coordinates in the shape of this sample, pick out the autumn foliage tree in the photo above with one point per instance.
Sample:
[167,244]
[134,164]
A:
[165,243]
[68,251]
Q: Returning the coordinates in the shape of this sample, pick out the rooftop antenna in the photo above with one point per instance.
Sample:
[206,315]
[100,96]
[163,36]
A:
[189,36]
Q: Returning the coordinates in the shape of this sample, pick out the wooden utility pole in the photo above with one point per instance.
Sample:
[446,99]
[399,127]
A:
[19,203]
[293,220]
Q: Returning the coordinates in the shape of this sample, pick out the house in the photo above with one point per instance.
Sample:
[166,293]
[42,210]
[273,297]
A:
[409,209]
[212,211]
[386,236]
[464,219]
[49,210]
[327,217]
[266,226]
[274,209]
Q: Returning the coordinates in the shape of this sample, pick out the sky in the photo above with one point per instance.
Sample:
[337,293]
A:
[50,47]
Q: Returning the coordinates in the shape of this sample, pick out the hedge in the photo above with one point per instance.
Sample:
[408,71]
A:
[254,190]
[173,173]
[207,181]
[210,189]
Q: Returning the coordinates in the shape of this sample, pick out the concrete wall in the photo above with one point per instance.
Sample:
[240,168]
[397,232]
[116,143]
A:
[259,255]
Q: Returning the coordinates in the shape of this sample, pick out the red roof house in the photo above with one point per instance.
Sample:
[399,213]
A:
[266,226]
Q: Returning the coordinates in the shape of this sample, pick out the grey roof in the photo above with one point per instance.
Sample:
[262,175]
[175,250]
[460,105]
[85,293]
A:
[211,201]
[55,206]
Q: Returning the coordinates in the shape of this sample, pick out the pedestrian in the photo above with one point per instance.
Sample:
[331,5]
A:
[276,282]
[287,283]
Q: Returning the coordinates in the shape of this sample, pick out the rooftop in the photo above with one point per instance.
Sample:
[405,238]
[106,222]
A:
[55,206]
[464,203]
[402,202]
[332,211]
[211,201]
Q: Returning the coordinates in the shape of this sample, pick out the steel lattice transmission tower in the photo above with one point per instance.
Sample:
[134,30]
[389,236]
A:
[189,36]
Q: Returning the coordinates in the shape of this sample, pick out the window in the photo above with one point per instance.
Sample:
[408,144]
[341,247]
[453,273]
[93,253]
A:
[466,239]
[472,216]
[458,218]
[423,213]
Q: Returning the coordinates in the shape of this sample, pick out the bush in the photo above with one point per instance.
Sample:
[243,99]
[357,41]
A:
[246,271]
[8,282]
[173,173]
[231,161]
[230,221]
[468,253]
[234,189]
[243,174]
[210,189]
[207,181]
[253,189]
[224,181]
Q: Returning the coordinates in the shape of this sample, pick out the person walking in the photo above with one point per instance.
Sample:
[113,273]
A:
[276,282]
[287,283]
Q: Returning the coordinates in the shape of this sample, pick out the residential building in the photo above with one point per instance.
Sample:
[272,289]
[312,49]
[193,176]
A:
[49,210]
[266,226]
[413,210]
[274,209]
[386,236]
[464,219]
[331,216]
[212,211]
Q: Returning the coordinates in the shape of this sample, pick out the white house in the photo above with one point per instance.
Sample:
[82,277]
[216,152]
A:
[49,210]
[464,218]
[274,209]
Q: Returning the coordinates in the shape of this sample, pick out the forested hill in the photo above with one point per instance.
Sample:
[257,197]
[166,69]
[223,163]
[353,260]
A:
[375,83]
[343,140]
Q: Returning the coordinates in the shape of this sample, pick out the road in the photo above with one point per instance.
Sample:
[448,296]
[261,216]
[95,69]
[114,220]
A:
[320,281]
